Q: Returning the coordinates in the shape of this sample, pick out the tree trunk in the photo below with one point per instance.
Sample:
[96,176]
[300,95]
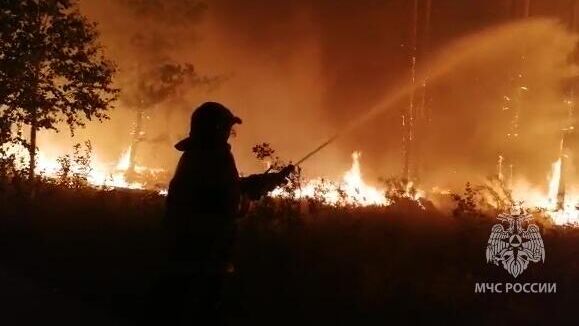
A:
[137,138]
[32,153]
[32,149]
[34,113]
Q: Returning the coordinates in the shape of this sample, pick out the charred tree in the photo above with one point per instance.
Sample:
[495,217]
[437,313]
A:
[154,78]
[514,103]
[416,118]
[568,131]
[155,84]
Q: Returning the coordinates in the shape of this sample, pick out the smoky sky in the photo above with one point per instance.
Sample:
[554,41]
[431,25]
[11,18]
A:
[298,71]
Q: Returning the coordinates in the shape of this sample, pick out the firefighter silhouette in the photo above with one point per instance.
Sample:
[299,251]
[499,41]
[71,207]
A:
[202,205]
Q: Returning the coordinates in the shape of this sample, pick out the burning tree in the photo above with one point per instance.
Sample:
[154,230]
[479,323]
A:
[156,84]
[52,69]
[153,76]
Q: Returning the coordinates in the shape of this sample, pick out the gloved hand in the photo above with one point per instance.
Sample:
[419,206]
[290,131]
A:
[280,178]
[257,185]
[287,171]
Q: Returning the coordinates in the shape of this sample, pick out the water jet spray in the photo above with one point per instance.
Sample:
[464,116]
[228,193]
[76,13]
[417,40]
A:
[445,61]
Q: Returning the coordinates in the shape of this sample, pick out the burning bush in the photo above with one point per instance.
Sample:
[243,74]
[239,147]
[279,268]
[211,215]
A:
[75,169]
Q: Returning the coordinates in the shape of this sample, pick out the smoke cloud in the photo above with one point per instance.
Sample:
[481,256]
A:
[299,71]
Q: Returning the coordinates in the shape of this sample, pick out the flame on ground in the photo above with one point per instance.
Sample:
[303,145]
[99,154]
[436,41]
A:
[125,161]
[562,209]
[98,173]
[351,190]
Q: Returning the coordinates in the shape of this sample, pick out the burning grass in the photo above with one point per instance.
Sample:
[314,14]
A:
[81,168]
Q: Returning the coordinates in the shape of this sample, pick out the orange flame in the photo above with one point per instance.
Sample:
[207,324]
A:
[351,190]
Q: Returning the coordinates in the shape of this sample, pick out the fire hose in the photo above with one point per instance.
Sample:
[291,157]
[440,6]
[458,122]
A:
[312,153]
